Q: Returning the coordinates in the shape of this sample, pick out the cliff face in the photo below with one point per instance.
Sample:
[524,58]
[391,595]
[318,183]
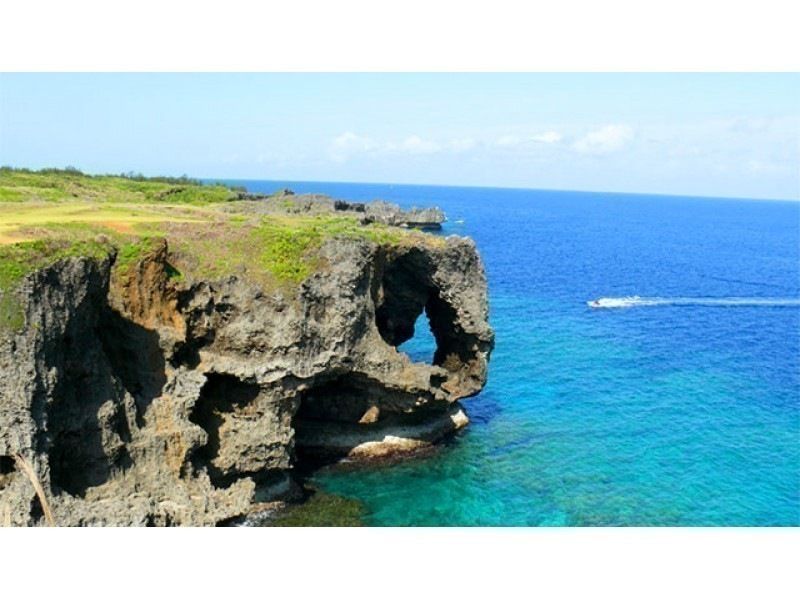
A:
[138,398]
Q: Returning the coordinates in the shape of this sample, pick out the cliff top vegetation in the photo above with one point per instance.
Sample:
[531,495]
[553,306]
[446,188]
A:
[213,231]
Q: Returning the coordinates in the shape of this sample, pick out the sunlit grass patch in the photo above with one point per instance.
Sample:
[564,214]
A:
[15,218]
[275,251]
[68,185]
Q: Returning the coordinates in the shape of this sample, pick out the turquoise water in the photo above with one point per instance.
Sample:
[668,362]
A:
[678,410]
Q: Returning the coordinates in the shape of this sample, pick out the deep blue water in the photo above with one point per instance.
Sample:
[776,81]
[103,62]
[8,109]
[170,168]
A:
[673,413]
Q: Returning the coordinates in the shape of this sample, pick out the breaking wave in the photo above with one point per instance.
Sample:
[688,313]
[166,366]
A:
[636,301]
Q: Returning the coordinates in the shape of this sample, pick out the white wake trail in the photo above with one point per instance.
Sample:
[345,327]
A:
[636,301]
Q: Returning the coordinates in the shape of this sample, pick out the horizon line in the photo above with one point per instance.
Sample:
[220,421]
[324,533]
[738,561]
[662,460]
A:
[510,188]
[378,183]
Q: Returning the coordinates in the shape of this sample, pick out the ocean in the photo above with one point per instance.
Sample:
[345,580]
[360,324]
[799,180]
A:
[675,402]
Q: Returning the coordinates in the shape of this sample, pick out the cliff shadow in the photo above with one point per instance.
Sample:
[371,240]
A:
[136,358]
[87,427]
[342,420]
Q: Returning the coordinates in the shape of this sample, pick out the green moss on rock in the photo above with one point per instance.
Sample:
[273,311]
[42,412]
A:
[132,252]
[273,251]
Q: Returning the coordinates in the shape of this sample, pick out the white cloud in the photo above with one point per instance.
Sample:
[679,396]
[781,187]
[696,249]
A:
[604,140]
[349,144]
[462,145]
[507,141]
[414,145]
[547,137]
[350,140]
[514,140]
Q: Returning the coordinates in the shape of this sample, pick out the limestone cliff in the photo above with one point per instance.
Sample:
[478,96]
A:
[138,397]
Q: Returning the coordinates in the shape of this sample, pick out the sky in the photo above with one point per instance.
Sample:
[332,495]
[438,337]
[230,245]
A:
[726,135]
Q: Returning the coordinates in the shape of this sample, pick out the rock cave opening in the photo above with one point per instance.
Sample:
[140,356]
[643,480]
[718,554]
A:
[407,291]
[418,321]
[340,413]
[335,413]
[345,398]
[221,395]
[421,347]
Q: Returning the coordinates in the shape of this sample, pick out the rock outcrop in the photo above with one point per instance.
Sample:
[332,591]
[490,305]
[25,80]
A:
[382,212]
[141,399]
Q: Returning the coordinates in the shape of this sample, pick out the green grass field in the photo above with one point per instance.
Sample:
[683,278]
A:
[20,221]
[19,185]
[49,215]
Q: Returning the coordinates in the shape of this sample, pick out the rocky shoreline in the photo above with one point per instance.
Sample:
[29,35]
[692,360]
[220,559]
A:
[139,397]
[382,212]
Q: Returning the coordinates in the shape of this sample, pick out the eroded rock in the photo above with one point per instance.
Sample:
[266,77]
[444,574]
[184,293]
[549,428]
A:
[144,400]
